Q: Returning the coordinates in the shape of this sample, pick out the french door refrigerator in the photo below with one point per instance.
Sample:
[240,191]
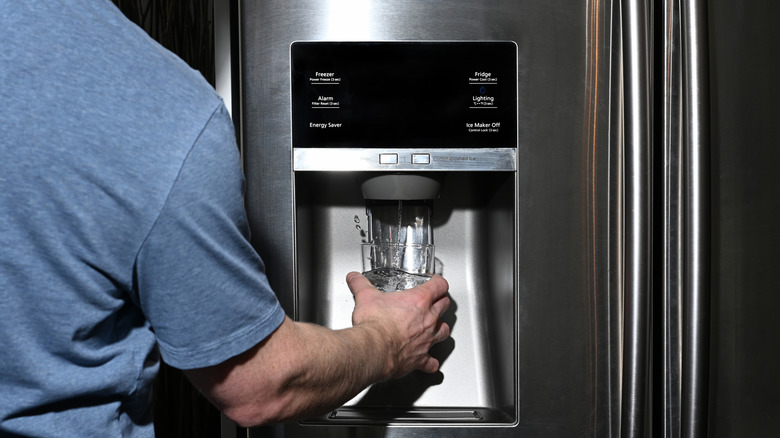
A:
[607,219]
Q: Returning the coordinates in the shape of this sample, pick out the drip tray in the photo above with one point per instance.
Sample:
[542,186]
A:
[408,415]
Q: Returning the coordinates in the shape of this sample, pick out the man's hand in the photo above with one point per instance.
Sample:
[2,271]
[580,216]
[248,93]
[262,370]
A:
[409,320]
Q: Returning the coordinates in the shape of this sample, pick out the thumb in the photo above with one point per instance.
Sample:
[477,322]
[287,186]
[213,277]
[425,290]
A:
[358,283]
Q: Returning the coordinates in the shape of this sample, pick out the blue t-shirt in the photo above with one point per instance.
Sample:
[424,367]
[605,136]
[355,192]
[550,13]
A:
[123,233]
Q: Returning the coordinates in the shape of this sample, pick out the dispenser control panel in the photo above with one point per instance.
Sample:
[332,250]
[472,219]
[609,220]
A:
[404,95]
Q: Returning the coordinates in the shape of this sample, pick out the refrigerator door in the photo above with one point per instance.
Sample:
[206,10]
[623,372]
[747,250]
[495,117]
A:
[569,185]
[721,240]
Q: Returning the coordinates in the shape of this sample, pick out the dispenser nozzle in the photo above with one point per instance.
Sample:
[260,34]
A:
[400,186]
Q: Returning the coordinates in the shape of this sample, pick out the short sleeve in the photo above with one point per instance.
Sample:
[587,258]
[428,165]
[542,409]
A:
[199,282]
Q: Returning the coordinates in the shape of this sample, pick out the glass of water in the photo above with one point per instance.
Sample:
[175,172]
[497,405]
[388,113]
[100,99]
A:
[393,266]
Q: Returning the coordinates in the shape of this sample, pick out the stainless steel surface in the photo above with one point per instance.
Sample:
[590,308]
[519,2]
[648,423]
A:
[673,228]
[686,263]
[616,226]
[224,52]
[440,159]
[635,421]
[696,311]
[567,192]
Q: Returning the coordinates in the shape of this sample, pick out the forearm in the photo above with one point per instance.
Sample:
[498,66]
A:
[331,368]
[302,369]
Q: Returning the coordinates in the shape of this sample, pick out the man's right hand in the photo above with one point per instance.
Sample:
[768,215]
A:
[409,321]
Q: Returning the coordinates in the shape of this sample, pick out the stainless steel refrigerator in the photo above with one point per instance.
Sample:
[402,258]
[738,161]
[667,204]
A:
[615,275]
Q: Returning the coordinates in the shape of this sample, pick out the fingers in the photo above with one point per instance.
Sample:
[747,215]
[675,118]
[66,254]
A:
[439,307]
[437,287]
[431,365]
[428,363]
[442,332]
[437,290]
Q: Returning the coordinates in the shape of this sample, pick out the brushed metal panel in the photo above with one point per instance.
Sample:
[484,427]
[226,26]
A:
[439,159]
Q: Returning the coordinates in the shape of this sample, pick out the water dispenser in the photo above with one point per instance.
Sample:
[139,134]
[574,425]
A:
[395,143]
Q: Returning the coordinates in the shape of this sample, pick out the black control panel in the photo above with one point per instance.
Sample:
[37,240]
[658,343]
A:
[404,94]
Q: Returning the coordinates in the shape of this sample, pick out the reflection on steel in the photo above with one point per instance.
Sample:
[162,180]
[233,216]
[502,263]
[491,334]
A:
[673,228]
[696,319]
[638,233]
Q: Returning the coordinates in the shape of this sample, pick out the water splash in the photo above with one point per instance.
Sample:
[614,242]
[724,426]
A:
[391,280]
[361,231]
[401,233]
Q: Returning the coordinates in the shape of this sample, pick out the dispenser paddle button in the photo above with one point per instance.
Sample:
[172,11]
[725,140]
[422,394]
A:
[388,158]
[421,158]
